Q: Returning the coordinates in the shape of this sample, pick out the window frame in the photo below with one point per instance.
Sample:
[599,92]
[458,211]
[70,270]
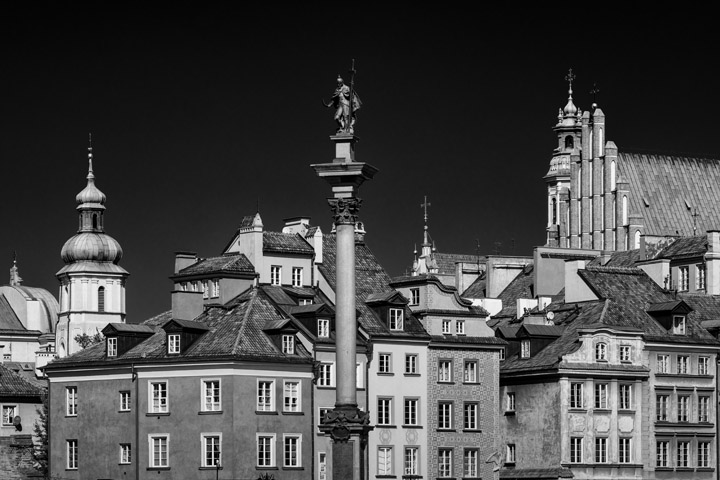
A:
[210,402]
[411,462]
[601,450]
[294,397]
[297,276]
[683,408]
[577,395]
[7,420]
[662,453]
[125,454]
[288,344]
[323,328]
[215,291]
[625,450]
[411,364]
[265,462]
[510,401]
[288,439]
[125,401]
[662,407]
[162,394]
[683,364]
[445,370]
[265,395]
[576,449]
[385,460]
[173,343]
[71,401]
[215,456]
[445,462]
[325,375]
[703,454]
[683,278]
[446,326]
[275,275]
[459,327]
[384,411]
[510,453]
[703,365]
[471,416]
[703,408]
[411,411]
[601,396]
[625,353]
[679,325]
[525,348]
[682,459]
[471,463]
[205,289]
[663,363]
[625,396]
[163,441]
[111,346]
[700,276]
[445,415]
[471,371]
[414,296]
[395,319]
[71,454]
[601,352]
[384,363]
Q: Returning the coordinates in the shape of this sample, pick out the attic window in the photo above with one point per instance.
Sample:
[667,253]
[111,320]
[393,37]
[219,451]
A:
[396,319]
[525,349]
[288,344]
[112,347]
[601,352]
[323,328]
[679,324]
[174,343]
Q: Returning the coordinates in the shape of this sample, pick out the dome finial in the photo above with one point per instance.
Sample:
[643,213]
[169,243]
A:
[570,108]
[90,169]
[424,205]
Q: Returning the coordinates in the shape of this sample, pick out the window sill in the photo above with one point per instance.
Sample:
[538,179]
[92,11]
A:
[471,430]
[293,468]
[577,410]
[386,374]
[210,412]
[409,375]
[471,383]
[157,414]
[293,413]
[124,464]
[412,426]
[266,468]
[124,411]
[602,410]
[264,412]
[71,416]
[153,469]
[445,383]
[509,413]
[210,468]
[379,425]
[385,476]
[445,430]
[626,410]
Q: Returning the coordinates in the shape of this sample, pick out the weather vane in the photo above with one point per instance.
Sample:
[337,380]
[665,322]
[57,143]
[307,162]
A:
[570,77]
[346,103]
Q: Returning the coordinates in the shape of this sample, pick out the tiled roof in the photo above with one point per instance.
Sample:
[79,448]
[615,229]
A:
[685,247]
[446,261]
[521,286]
[370,277]
[228,263]
[13,384]
[129,327]
[477,289]
[276,242]
[468,340]
[542,330]
[8,318]
[666,190]
[620,258]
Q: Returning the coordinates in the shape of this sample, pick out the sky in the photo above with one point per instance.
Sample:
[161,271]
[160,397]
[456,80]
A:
[202,114]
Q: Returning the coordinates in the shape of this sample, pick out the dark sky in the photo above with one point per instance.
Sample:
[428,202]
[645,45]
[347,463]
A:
[199,114]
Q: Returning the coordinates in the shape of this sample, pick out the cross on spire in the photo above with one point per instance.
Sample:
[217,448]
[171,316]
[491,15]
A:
[595,90]
[570,77]
[695,215]
[424,205]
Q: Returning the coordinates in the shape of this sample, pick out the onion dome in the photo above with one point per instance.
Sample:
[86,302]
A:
[93,247]
[90,196]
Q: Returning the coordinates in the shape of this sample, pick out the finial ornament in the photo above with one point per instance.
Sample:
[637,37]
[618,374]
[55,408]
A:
[570,77]
[595,90]
[346,103]
[90,157]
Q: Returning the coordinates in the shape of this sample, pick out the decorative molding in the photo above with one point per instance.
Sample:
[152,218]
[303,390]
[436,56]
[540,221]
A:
[345,210]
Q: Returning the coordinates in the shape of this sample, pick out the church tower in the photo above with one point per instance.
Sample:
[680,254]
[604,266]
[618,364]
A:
[92,284]
[426,264]
[567,153]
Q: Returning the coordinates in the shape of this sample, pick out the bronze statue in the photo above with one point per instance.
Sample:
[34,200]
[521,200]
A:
[345,108]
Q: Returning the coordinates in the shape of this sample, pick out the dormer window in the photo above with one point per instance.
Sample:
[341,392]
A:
[205,290]
[683,278]
[396,319]
[525,349]
[414,296]
[323,328]
[183,286]
[297,277]
[460,327]
[288,344]
[601,352]
[306,301]
[112,346]
[173,343]
[215,293]
[446,327]
[275,275]
[679,324]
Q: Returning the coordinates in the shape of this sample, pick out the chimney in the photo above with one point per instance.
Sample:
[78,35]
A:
[712,263]
[184,260]
[576,290]
[296,225]
[186,305]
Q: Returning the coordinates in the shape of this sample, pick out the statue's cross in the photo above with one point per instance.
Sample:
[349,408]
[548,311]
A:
[570,77]
[695,215]
[424,205]
[595,90]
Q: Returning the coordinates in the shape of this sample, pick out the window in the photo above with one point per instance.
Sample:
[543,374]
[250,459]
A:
[625,392]
[101,299]
[470,372]
[411,411]
[502,353]
[662,450]
[683,278]
[601,352]
[322,466]
[411,461]
[624,449]
[297,277]
[71,401]
[445,371]
[265,396]
[703,408]
[576,449]
[679,325]
[683,451]
[576,395]
[470,416]
[384,411]
[510,402]
[414,296]
[385,457]
[125,453]
[8,414]
[215,288]
[183,286]
[396,319]
[700,277]
[703,365]
[703,455]
[292,450]
[173,343]
[445,415]
[306,301]
[212,444]
[682,364]
[411,364]
[265,450]
[601,391]
[159,451]
[112,346]
[470,463]
[510,456]
[211,396]
[125,401]
[275,275]
[325,377]
[601,450]
[205,289]
[158,397]
[662,402]
[288,344]
[445,462]
[525,349]
[683,408]
[323,328]
[322,411]
[460,327]
[625,353]
[446,327]
[291,396]
[384,362]
[72,454]
[663,363]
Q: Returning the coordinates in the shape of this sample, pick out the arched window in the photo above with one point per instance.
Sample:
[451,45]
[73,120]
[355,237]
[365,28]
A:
[612,175]
[637,239]
[554,211]
[601,351]
[101,299]
[94,222]
[624,210]
[569,142]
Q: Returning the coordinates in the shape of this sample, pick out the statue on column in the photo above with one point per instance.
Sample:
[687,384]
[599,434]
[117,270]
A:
[346,103]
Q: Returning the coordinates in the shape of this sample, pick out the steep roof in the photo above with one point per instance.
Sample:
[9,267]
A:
[666,190]
[14,385]
[521,286]
[446,261]
[227,263]
[685,247]
[8,318]
[277,242]
[477,289]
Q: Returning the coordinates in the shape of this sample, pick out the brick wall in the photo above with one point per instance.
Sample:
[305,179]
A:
[16,460]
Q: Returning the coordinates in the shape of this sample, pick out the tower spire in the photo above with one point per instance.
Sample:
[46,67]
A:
[570,108]
[15,279]
[424,205]
[90,176]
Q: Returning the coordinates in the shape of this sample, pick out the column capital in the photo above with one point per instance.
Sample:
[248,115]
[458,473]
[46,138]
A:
[345,421]
[345,210]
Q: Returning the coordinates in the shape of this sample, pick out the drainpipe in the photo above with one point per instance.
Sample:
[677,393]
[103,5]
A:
[133,377]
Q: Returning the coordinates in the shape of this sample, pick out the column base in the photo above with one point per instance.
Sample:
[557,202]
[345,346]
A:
[348,426]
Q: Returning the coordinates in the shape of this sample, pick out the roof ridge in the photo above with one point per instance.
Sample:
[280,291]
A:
[620,270]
